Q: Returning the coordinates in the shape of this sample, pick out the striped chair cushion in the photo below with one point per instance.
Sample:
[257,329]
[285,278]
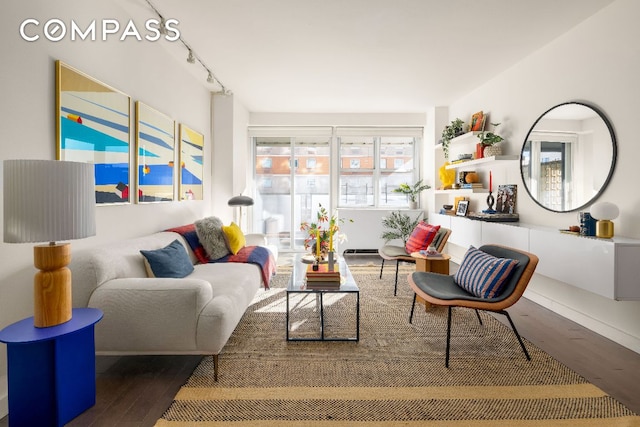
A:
[483,275]
[421,237]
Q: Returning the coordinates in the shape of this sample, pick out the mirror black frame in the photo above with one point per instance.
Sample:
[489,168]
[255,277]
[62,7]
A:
[613,157]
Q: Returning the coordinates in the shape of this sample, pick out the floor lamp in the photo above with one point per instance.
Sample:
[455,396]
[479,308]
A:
[240,201]
[49,201]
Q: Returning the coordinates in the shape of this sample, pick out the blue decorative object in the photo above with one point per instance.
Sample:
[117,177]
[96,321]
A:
[490,201]
[587,224]
[52,371]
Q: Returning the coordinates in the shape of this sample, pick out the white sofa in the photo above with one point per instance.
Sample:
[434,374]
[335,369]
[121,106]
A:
[192,315]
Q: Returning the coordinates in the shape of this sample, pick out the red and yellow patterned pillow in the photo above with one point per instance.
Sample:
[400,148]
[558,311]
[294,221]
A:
[421,237]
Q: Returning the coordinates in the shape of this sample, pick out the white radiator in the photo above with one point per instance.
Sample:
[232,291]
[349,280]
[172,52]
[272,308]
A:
[363,234]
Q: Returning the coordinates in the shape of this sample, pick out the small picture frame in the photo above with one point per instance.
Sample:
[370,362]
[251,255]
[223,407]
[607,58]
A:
[457,200]
[477,122]
[463,206]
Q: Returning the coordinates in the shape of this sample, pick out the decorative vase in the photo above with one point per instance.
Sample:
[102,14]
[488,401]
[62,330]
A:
[479,150]
[492,150]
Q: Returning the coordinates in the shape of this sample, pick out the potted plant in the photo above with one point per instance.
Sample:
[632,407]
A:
[412,191]
[398,225]
[449,132]
[490,139]
[320,235]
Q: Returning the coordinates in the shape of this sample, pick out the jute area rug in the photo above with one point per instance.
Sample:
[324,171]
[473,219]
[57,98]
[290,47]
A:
[394,376]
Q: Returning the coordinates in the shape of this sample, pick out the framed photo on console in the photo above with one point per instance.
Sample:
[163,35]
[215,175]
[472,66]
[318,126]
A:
[463,206]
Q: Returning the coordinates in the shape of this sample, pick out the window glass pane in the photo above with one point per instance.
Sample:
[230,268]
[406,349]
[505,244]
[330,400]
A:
[397,154]
[272,207]
[356,189]
[312,183]
[278,186]
[357,164]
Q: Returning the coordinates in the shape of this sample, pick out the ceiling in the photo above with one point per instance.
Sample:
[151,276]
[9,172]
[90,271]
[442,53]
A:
[362,55]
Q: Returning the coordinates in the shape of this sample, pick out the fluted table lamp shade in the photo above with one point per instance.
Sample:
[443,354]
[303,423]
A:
[49,201]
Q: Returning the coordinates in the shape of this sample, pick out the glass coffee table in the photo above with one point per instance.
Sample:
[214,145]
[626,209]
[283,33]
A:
[297,285]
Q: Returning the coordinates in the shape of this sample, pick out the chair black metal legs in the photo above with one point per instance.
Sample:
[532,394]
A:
[515,331]
[446,360]
[381,267]
[413,306]
[513,327]
[395,288]
[449,310]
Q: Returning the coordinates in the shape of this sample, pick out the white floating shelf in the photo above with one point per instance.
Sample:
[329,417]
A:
[483,160]
[463,191]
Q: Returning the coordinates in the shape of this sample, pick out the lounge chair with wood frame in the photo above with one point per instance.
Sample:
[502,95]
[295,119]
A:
[399,253]
[441,289]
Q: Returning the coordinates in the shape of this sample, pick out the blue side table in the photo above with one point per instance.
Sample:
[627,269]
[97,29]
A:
[52,371]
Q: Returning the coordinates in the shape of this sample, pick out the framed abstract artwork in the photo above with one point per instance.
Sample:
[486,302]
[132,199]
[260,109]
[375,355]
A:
[155,148]
[92,125]
[191,164]
[477,121]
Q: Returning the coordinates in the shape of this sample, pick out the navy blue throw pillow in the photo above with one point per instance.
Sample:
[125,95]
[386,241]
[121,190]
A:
[170,261]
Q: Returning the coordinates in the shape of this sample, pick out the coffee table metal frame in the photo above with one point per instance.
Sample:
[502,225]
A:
[297,285]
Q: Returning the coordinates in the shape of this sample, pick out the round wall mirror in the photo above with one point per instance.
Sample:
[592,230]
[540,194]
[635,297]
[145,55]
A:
[568,157]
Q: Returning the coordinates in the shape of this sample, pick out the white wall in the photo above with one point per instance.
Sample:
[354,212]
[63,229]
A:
[143,70]
[597,62]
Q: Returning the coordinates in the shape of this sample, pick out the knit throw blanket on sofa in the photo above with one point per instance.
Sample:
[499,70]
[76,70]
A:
[258,255]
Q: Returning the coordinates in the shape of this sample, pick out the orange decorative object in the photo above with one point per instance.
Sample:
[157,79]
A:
[471,177]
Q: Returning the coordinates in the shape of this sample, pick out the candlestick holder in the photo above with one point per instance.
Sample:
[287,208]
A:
[490,201]
[331,261]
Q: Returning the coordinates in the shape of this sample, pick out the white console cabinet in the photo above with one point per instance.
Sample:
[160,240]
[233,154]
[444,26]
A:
[607,267]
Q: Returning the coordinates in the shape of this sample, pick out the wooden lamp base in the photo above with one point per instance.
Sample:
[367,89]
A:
[51,285]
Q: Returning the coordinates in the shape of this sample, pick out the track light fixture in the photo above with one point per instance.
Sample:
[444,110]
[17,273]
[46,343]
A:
[192,57]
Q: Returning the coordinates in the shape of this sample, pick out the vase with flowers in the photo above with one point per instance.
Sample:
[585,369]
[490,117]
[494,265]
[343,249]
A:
[323,234]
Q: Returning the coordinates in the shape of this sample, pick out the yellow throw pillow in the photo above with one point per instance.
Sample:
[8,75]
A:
[234,237]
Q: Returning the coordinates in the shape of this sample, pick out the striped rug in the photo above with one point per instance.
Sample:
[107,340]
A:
[394,376]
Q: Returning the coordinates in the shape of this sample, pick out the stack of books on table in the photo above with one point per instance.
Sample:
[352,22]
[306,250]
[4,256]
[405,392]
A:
[323,278]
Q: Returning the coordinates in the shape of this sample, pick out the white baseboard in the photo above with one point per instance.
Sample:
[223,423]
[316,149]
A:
[614,334]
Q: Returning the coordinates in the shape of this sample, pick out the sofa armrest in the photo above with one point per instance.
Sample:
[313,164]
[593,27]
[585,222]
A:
[259,239]
[149,314]
[256,239]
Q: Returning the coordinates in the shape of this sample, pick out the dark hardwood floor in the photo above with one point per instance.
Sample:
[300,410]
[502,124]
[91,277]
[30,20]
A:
[134,391]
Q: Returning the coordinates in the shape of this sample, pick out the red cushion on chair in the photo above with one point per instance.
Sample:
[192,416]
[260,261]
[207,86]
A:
[421,237]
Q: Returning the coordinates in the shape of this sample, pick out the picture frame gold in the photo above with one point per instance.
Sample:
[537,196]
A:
[155,155]
[93,126]
[456,202]
[191,164]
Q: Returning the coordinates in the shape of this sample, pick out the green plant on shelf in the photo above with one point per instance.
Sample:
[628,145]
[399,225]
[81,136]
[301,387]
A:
[490,138]
[449,132]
